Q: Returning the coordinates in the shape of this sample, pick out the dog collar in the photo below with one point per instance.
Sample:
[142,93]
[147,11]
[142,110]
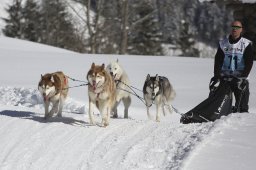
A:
[117,82]
[96,89]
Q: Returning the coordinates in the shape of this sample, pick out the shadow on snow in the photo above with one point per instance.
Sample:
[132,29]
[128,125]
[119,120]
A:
[34,117]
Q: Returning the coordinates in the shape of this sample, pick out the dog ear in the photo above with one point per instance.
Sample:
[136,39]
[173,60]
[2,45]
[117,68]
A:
[52,78]
[93,66]
[157,77]
[56,80]
[102,66]
[148,77]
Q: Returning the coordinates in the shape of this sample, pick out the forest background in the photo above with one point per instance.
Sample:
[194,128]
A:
[133,27]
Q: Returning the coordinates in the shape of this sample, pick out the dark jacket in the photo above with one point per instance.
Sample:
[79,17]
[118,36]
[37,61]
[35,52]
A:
[248,59]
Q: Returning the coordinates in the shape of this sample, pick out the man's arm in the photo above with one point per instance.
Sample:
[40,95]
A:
[248,60]
[218,62]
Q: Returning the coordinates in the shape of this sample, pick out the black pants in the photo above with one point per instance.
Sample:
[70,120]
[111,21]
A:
[241,97]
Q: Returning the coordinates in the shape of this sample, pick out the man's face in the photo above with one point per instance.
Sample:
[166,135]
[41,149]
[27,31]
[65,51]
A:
[236,29]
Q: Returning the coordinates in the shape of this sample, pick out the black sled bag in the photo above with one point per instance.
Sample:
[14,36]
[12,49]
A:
[219,103]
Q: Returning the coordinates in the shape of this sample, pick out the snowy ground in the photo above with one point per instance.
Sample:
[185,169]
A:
[30,142]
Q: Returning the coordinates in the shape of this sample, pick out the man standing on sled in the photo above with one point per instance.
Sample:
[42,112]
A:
[233,62]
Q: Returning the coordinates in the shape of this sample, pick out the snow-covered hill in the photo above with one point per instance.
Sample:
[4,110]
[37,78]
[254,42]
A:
[30,142]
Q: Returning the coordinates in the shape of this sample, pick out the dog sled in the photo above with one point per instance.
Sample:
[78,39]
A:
[218,103]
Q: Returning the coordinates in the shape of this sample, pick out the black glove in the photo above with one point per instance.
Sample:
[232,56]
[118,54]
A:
[214,83]
[242,83]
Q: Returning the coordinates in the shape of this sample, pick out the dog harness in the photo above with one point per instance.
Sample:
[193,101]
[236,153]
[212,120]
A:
[94,90]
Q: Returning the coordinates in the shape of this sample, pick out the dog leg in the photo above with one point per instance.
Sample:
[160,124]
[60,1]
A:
[163,109]
[59,114]
[92,122]
[105,116]
[108,117]
[149,116]
[170,108]
[46,109]
[168,105]
[157,112]
[127,103]
[54,108]
[115,115]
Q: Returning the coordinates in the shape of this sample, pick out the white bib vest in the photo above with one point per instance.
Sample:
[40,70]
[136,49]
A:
[233,63]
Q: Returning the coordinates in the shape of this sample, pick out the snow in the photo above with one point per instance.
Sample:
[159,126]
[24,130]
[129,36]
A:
[30,142]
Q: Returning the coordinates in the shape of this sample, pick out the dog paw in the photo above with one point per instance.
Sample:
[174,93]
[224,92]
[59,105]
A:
[150,117]
[106,124]
[47,118]
[92,123]
[115,116]
[59,115]
[126,116]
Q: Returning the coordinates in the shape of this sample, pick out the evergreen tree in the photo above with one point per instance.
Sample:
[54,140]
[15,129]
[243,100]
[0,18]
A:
[186,41]
[14,23]
[57,28]
[145,37]
[32,17]
[111,30]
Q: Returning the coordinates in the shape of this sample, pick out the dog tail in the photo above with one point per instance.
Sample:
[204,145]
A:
[173,95]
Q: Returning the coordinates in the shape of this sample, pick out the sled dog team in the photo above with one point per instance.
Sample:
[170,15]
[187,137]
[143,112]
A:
[107,87]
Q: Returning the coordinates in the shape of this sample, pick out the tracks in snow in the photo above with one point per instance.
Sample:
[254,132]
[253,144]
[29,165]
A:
[62,144]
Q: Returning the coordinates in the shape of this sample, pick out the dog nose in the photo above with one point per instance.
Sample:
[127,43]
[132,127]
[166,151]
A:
[111,73]
[44,94]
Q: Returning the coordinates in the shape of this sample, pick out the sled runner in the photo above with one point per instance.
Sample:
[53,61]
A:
[218,103]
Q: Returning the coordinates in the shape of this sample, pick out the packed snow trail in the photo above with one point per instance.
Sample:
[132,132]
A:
[230,140]
[71,143]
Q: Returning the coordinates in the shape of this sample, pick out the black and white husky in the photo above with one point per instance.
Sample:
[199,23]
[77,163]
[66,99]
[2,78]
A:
[159,91]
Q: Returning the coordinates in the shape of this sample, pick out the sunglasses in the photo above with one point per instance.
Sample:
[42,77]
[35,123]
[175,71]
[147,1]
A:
[235,27]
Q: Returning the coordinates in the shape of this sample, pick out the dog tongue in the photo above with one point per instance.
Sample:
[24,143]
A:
[45,98]
[94,86]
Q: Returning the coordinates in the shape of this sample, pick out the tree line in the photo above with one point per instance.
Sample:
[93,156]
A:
[136,27]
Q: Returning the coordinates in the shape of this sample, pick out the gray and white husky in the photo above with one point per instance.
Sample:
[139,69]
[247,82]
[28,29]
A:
[159,91]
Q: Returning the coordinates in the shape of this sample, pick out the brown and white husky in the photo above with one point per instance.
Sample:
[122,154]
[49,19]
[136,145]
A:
[54,89]
[101,92]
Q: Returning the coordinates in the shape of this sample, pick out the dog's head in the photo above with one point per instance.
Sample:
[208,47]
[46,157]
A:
[46,86]
[152,86]
[115,70]
[96,76]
